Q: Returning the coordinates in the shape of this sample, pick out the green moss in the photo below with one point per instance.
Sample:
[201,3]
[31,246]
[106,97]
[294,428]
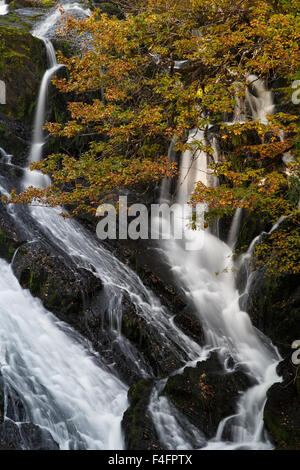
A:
[110,9]
[284,435]
[8,246]
[22,65]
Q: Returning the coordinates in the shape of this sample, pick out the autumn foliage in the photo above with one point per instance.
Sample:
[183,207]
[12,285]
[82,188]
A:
[166,67]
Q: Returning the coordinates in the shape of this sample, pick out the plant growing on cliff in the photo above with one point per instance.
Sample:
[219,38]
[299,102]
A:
[170,66]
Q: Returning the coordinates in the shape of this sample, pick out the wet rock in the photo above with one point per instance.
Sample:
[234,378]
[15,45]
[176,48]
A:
[148,341]
[24,435]
[205,394]
[140,433]
[282,409]
[62,287]
[9,240]
[273,302]
[22,64]
[274,307]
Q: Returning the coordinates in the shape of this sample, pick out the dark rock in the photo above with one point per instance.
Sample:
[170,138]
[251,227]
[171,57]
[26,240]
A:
[63,288]
[22,64]
[274,307]
[205,394]
[24,435]
[147,340]
[282,409]
[140,433]
[110,8]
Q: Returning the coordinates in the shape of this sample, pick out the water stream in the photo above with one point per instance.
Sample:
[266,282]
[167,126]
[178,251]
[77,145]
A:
[206,273]
[3,7]
[71,391]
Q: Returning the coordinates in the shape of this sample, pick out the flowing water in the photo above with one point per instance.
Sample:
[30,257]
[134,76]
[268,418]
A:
[64,385]
[3,7]
[74,393]
[86,414]
[205,272]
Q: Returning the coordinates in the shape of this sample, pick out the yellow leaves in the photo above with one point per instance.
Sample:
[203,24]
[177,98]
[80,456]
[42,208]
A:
[199,93]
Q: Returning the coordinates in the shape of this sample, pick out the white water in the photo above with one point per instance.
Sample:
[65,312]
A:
[86,414]
[50,22]
[65,387]
[34,178]
[3,7]
[235,227]
[74,395]
[206,274]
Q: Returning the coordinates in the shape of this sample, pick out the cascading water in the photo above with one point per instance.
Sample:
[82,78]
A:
[206,274]
[47,396]
[73,393]
[3,7]
[66,388]
[41,31]
[34,178]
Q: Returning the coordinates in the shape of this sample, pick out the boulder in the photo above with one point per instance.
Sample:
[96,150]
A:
[59,283]
[282,409]
[24,435]
[22,64]
[140,433]
[205,394]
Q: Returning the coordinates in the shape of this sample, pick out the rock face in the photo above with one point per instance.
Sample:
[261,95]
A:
[140,433]
[62,289]
[205,395]
[273,302]
[282,410]
[274,307]
[24,435]
[22,64]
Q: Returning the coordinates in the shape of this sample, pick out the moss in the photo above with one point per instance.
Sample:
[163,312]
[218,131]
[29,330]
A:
[285,435]
[8,246]
[21,67]
[140,433]
[110,9]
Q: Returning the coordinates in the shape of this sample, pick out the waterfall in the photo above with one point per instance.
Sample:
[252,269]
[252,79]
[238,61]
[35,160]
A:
[34,178]
[3,7]
[71,391]
[206,274]
[260,101]
[66,388]
[235,227]
[7,158]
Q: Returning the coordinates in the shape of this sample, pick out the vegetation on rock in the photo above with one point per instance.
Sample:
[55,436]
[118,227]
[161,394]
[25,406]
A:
[132,98]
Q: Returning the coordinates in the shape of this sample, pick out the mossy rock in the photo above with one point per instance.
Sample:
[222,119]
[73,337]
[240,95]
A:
[205,394]
[9,240]
[282,409]
[274,307]
[61,286]
[147,340]
[33,4]
[139,430]
[109,8]
[22,65]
